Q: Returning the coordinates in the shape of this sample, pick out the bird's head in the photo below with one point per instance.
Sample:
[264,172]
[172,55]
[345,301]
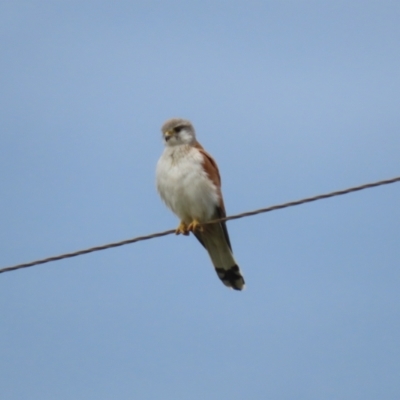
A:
[177,131]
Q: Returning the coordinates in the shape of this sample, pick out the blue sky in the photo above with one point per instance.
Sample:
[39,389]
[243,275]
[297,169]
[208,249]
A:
[293,99]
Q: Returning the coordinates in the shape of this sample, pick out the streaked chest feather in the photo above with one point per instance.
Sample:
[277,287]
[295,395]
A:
[184,185]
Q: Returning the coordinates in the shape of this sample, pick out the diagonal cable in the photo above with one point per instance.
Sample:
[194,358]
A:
[171,231]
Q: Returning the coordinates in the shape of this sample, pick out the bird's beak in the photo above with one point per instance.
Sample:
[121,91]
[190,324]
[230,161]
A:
[168,135]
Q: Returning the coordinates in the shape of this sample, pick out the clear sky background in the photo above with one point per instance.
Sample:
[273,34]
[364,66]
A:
[293,99]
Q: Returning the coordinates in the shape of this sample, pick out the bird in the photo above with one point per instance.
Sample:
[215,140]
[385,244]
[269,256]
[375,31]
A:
[189,183]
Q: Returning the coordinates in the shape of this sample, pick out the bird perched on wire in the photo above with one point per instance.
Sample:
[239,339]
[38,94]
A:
[188,181]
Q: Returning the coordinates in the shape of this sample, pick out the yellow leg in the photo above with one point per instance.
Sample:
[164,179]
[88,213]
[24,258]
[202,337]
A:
[195,226]
[182,229]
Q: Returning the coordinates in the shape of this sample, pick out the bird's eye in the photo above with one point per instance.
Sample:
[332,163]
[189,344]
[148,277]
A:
[178,129]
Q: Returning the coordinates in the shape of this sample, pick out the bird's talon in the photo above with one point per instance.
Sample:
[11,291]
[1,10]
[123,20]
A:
[195,226]
[182,229]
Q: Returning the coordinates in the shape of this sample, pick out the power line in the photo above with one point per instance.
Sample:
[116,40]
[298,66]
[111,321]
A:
[171,231]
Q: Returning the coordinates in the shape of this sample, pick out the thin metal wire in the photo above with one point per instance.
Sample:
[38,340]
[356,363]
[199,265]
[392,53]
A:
[171,231]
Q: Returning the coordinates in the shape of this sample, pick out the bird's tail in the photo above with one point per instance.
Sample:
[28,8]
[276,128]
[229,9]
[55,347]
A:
[231,277]
[215,242]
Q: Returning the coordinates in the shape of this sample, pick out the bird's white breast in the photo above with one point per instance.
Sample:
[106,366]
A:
[184,185]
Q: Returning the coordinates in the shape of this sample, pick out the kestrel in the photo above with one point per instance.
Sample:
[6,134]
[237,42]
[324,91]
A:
[188,181]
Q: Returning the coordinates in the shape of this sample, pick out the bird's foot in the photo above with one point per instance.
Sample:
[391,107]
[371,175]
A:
[195,226]
[182,229]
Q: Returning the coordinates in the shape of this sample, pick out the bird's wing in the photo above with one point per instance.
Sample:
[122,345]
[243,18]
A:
[215,237]
[211,168]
